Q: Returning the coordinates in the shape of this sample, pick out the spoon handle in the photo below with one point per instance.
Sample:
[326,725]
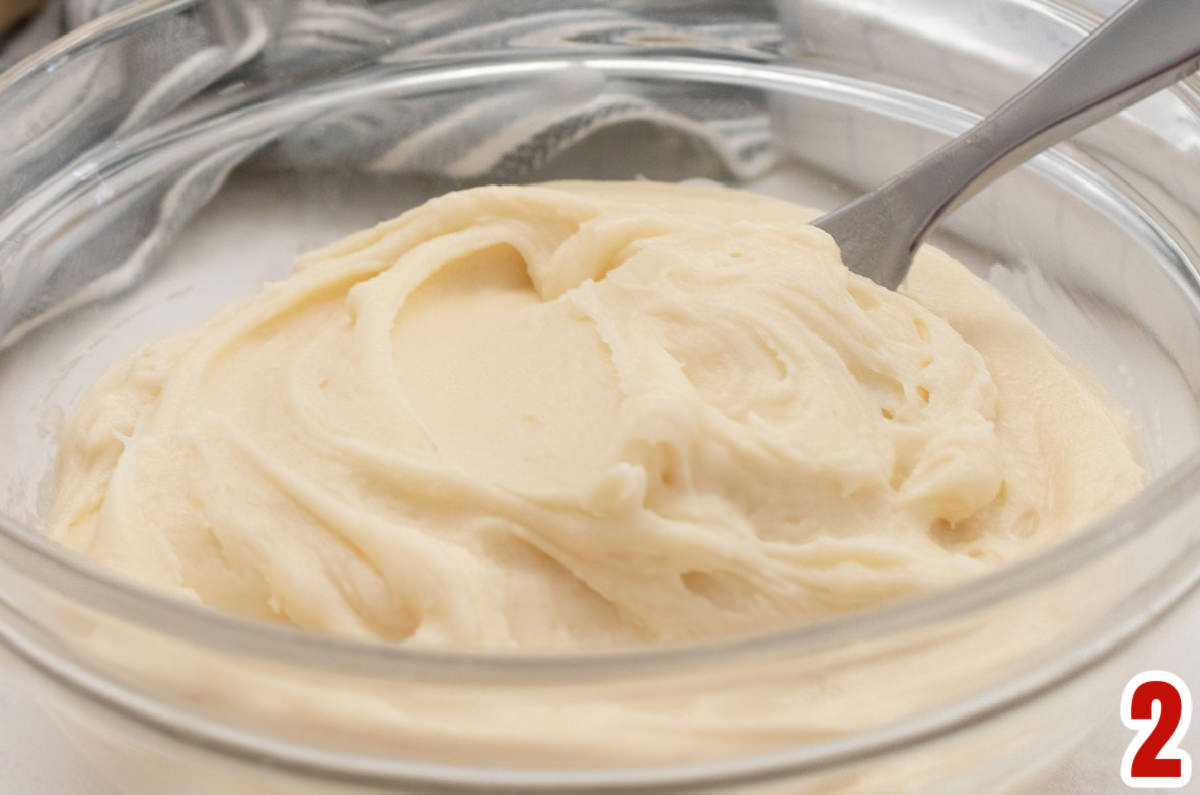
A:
[1145,46]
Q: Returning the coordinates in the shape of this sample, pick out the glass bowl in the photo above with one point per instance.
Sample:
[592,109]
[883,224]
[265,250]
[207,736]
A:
[172,156]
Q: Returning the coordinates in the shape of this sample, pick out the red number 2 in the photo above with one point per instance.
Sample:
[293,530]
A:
[1154,759]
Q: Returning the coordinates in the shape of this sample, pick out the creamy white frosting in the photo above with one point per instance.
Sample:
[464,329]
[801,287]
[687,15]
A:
[582,415]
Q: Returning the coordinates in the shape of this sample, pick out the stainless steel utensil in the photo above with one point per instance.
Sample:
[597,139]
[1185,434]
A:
[1147,45]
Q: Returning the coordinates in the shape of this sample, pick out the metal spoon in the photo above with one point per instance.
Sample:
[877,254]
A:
[1147,45]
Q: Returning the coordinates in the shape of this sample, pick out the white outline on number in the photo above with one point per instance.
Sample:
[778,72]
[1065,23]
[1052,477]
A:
[1144,728]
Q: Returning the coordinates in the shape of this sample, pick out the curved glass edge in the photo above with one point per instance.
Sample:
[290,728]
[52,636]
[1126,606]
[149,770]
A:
[200,733]
[90,35]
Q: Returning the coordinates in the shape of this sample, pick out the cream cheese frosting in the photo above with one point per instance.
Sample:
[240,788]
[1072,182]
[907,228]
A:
[586,415]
